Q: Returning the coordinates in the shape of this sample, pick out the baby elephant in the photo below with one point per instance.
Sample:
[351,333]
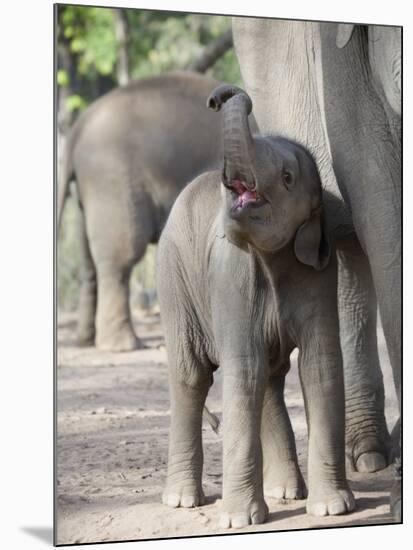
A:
[244,277]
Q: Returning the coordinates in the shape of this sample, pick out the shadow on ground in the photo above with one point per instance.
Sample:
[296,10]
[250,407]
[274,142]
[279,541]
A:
[45,534]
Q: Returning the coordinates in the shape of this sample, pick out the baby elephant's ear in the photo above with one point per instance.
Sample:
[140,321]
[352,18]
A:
[312,245]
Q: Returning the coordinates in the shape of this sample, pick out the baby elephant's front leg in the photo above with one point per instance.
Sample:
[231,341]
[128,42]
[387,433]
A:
[184,480]
[244,379]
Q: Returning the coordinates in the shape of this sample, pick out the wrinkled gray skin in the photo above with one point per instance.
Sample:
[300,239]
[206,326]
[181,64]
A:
[336,90]
[243,278]
[131,152]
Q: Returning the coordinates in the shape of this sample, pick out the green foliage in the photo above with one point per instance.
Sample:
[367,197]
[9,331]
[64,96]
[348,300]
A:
[75,103]
[157,41]
[91,34]
[62,78]
[162,41]
[227,69]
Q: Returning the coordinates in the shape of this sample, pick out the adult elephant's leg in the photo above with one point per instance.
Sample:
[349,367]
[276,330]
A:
[282,476]
[114,331]
[119,228]
[367,437]
[244,379]
[88,290]
[365,146]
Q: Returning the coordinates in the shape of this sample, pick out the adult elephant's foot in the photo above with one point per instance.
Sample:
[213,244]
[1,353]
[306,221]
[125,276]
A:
[87,312]
[370,454]
[237,514]
[327,500]
[396,493]
[370,462]
[85,334]
[119,339]
[85,340]
[395,444]
[184,495]
[284,482]
[368,442]
[396,502]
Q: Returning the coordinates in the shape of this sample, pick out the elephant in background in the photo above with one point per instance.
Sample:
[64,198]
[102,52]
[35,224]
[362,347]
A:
[245,275]
[336,89]
[131,152]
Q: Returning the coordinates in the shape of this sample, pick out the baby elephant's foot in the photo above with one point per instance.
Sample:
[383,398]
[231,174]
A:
[285,484]
[241,516]
[330,501]
[185,496]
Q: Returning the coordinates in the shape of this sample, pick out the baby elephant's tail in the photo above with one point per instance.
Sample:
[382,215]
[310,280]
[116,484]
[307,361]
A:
[213,420]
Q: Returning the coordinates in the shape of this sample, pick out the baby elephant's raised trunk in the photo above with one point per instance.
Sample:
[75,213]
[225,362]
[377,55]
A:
[239,151]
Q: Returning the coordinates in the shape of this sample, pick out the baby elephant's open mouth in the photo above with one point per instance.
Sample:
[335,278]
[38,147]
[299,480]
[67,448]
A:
[243,196]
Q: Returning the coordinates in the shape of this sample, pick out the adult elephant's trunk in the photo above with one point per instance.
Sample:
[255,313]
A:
[239,150]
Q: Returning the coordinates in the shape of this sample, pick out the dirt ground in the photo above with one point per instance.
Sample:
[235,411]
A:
[112,438]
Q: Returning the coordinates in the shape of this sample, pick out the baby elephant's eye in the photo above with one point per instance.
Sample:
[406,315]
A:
[288,180]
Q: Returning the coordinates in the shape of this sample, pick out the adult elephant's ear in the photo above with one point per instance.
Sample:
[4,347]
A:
[344,33]
[312,245]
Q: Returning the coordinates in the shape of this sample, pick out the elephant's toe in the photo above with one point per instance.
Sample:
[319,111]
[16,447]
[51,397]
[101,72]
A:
[368,454]
[171,499]
[370,462]
[186,497]
[190,501]
[255,514]
[331,502]
[282,492]
[282,483]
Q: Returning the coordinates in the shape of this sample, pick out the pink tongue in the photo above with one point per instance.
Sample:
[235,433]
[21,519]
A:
[247,195]
[244,195]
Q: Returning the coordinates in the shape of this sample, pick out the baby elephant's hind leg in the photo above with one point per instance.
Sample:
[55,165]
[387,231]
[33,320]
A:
[282,476]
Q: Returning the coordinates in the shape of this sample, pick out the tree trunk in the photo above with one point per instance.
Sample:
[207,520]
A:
[64,118]
[122,36]
[64,62]
[212,52]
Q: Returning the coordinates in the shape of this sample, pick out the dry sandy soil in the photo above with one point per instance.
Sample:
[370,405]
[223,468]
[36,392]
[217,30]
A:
[112,437]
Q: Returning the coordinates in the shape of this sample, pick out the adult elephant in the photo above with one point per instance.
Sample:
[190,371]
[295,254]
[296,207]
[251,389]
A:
[130,153]
[336,89]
